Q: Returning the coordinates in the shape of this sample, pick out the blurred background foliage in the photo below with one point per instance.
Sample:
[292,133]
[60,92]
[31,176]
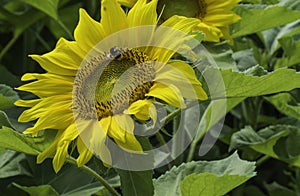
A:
[263,128]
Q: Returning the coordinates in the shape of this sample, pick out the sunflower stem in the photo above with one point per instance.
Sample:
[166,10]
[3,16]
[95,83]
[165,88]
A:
[262,160]
[95,175]
[178,140]
[8,46]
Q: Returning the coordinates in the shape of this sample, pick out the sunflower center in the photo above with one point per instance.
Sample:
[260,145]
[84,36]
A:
[126,78]
[202,9]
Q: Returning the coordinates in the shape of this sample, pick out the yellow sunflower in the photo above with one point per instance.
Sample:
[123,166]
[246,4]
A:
[91,92]
[215,15]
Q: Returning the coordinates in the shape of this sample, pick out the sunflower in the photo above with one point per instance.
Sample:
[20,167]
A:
[93,92]
[214,16]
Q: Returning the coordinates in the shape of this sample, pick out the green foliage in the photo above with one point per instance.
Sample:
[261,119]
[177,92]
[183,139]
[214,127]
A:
[7,97]
[49,7]
[26,144]
[284,103]
[191,177]
[38,190]
[257,18]
[254,90]
[13,164]
[136,182]
[279,141]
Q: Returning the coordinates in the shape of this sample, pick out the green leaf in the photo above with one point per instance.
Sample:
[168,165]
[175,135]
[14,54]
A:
[7,97]
[247,136]
[272,36]
[13,140]
[258,18]
[4,121]
[135,183]
[283,102]
[38,190]
[222,54]
[244,59]
[278,141]
[13,164]
[239,86]
[233,166]
[210,184]
[49,7]
[291,56]
[99,191]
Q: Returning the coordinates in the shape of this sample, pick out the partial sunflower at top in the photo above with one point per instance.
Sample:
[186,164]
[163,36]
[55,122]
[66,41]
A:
[92,92]
[215,15]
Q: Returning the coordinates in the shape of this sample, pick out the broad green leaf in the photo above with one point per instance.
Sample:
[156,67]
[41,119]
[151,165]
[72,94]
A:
[38,190]
[210,184]
[49,7]
[13,164]
[169,183]
[258,18]
[239,86]
[278,141]
[283,102]
[4,121]
[13,140]
[242,85]
[7,97]
[135,183]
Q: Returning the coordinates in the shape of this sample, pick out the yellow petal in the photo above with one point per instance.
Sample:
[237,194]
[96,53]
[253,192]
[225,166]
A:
[115,131]
[47,87]
[113,18]
[170,94]
[131,144]
[212,34]
[45,105]
[143,13]
[182,76]
[27,103]
[62,147]
[222,19]
[88,32]
[84,153]
[195,91]
[124,138]
[62,60]
[49,152]
[170,37]
[93,134]
[142,110]
[46,76]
